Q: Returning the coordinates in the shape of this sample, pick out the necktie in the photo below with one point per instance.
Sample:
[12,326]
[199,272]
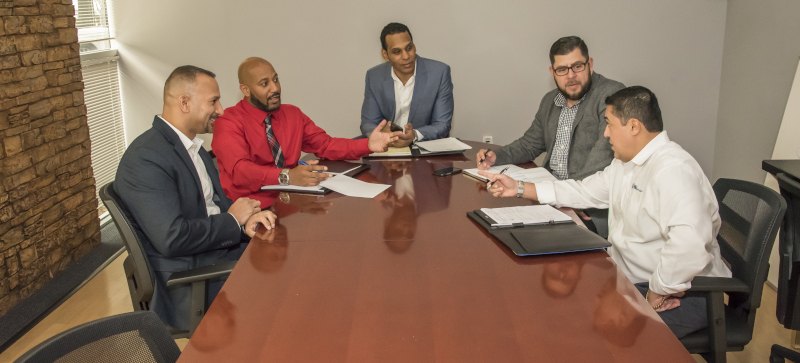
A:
[273,143]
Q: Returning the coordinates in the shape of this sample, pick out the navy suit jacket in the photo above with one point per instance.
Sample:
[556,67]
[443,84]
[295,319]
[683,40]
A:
[161,195]
[431,105]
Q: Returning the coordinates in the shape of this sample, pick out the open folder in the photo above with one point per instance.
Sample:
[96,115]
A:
[541,239]
[446,146]
[334,167]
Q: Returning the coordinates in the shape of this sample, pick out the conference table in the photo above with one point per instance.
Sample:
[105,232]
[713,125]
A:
[409,277]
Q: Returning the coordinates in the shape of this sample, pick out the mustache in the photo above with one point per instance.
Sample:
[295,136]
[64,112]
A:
[273,95]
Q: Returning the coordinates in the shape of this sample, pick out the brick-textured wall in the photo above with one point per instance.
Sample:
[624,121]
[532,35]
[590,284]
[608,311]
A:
[48,208]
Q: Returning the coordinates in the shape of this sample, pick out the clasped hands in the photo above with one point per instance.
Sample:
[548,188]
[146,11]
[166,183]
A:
[403,138]
[663,302]
[248,213]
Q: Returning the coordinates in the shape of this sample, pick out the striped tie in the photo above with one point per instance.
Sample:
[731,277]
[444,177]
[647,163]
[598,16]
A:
[273,143]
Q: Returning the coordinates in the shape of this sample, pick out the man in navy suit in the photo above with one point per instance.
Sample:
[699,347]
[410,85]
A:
[414,93]
[170,191]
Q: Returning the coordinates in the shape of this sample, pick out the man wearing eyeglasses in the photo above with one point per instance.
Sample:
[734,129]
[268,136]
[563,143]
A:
[569,124]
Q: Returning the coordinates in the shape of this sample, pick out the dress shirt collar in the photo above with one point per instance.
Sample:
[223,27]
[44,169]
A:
[656,143]
[561,101]
[396,79]
[185,139]
[257,114]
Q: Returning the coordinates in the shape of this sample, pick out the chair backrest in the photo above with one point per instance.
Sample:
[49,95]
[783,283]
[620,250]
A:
[788,304]
[132,337]
[751,214]
[137,268]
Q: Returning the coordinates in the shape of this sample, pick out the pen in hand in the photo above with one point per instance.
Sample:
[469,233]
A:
[484,154]
[301,162]
[501,172]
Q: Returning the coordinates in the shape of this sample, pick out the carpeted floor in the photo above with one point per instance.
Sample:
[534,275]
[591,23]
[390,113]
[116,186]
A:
[30,311]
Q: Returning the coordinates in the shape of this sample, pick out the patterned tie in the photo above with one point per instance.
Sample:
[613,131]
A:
[273,143]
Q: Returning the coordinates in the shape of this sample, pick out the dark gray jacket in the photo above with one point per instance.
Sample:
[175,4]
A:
[589,151]
[161,195]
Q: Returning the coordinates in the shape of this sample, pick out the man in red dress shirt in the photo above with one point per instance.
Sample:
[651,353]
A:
[258,141]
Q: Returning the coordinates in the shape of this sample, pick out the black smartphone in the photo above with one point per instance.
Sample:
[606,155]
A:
[446,171]
[395,127]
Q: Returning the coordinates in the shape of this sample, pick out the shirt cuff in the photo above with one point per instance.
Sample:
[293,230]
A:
[659,287]
[234,218]
[545,192]
[419,135]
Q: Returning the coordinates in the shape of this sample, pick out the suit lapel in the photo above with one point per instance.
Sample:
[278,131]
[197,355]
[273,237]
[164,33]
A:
[419,89]
[388,88]
[224,202]
[173,138]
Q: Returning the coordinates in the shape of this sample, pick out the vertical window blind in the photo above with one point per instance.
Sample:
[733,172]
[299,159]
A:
[104,113]
[101,89]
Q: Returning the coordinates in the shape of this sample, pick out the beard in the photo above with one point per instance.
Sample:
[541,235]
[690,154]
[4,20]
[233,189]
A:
[262,106]
[577,96]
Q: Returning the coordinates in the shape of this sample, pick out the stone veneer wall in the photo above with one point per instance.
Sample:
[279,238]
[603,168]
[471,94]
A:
[48,207]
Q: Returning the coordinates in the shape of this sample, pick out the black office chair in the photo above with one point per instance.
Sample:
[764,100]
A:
[139,273]
[751,214]
[788,306]
[131,337]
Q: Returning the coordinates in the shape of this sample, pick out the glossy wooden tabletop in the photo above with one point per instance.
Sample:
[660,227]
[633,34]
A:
[408,277]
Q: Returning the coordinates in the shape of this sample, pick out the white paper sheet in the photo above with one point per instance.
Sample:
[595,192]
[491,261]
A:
[533,175]
[353,187]
[530,214]
[292,188]
[446,144]
[495,169]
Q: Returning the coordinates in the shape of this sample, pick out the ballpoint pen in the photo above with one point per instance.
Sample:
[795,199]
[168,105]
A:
[501,172]
[301,162]
[484,154]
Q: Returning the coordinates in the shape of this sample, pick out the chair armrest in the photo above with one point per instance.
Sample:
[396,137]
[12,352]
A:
[723,284]
[201,273]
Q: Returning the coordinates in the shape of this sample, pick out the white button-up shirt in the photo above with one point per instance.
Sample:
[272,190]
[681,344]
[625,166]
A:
[403,93]
[663,215]
[193,147]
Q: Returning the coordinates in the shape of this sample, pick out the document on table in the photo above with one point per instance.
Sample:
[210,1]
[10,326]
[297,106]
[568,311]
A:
[495,169]
[293,188]
[353,187]
[446,144]
[533,175]
[394,151]
[530,214]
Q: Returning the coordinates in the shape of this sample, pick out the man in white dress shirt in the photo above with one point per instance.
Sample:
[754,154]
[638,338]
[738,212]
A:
[663,215]
[412,92]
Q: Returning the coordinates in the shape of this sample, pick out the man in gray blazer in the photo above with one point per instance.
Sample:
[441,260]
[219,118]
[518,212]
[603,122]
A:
[412,92]
[569,125]
[170,191]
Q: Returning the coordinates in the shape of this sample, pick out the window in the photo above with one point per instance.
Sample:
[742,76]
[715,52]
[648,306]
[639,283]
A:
[101,89]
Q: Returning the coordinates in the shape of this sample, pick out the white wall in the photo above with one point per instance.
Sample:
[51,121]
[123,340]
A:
[497,51]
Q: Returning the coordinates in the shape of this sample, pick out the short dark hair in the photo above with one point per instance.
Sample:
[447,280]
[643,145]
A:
[183,75]
[637,102]
[393,28]
[566,45]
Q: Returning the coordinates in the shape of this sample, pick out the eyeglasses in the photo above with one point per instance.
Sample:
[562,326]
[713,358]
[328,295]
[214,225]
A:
[563,71]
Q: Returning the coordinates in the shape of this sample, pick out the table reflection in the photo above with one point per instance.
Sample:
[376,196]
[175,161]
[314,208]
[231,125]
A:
[268,249]
[219,326]
[617,316]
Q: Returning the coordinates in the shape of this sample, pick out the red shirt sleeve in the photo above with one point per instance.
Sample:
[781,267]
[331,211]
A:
[318,142]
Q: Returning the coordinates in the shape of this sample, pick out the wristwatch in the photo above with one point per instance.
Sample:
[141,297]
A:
[283,177]
[520,188]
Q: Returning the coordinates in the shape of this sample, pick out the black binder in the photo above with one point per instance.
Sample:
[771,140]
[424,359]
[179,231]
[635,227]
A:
[543,239]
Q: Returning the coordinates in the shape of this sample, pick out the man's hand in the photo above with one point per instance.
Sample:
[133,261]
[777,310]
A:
[671,301]
[379,140]
[502,185]
[243,208]
[406,138]
[582,214]
[267,218]
[308,175]
[486,159]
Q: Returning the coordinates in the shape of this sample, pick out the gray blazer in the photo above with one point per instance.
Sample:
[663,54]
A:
[431,106]
[161,195]
[589,150]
